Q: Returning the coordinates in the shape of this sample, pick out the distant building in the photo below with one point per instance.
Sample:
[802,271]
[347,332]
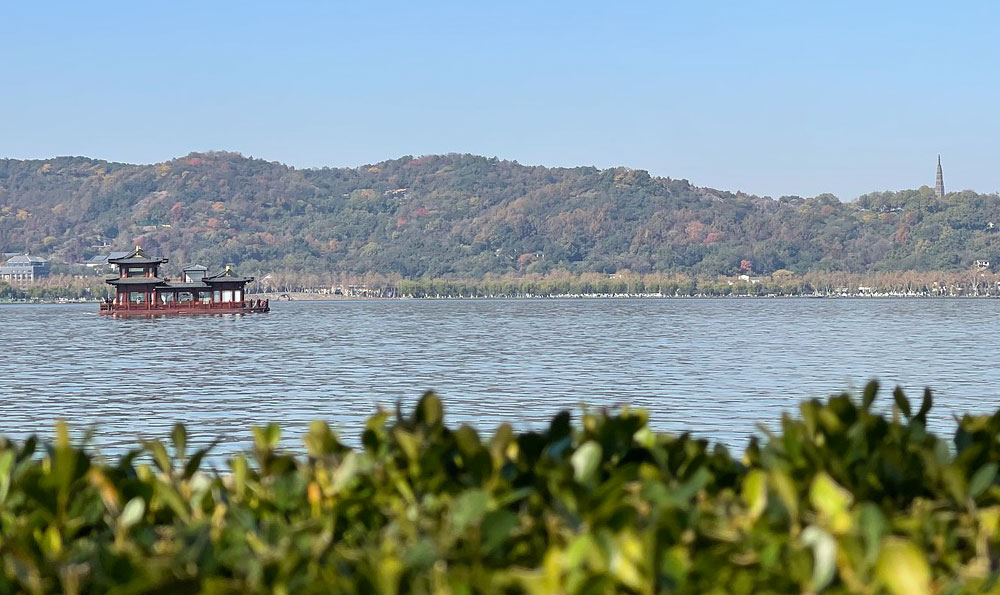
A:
[24,268]
[101,260]
[939,181]
[982,264]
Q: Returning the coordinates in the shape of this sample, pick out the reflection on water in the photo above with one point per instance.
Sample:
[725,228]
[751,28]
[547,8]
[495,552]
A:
[715,367]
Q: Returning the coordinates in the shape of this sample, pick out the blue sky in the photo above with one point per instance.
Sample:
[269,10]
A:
[766,97]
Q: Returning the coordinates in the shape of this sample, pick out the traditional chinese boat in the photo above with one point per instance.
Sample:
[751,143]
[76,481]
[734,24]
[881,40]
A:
[140,291]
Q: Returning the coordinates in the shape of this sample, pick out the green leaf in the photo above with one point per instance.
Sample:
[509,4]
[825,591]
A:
[62,434]
[579,549]
[559,427]
[160,456]
[628,560]
[407,442]
[901,402]
[273,433]
[925,405]
[787,493]
[173,500]
[320,440]
[496,527]
[982,480]
[64,460]
[468,509]
[266,438]
[873,526]
[824,548]
[195,462]
[902,568]
[179,438]
[51,542]
[421,555]
[755,492]
[586,461]
[6,465]
[682,494]
[240,470]
[954,480]
[827,496]
[832,501]
[429,412]
[132,513]
[467,440]
[346,471]
[871,390]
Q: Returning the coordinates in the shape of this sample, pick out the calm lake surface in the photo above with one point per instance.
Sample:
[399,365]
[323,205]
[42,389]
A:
[714,367]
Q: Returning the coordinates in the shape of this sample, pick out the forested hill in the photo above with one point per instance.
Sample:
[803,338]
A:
[466,216]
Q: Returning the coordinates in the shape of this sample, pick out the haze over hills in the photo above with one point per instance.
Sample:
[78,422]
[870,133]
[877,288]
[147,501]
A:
[467,216]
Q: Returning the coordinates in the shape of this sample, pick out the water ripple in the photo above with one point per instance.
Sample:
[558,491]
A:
[714,367]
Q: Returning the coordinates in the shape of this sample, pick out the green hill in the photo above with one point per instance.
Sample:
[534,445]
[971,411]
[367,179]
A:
[466,216]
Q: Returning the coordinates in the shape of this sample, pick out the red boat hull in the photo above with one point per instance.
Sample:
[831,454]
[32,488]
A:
[189,309]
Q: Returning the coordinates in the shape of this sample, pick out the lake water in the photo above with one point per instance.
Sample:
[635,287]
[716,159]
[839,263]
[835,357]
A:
[714,367]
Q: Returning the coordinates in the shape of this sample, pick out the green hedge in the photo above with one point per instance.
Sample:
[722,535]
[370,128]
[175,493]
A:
[841,499]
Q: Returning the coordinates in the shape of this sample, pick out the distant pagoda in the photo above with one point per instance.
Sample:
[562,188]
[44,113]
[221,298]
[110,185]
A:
[939,181]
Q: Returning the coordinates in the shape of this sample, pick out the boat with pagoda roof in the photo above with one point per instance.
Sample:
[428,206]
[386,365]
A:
[140,291]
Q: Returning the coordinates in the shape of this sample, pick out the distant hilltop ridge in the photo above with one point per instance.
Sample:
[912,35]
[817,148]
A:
[467,216]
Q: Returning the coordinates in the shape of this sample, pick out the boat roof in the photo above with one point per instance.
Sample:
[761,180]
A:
[137,256]
[228,276]
[135,281]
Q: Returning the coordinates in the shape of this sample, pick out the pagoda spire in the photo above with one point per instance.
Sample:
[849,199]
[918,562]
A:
[939,181]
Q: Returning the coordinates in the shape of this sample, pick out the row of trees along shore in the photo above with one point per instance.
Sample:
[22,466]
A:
[57,287]
[782,283]
[563,284]
[842,497]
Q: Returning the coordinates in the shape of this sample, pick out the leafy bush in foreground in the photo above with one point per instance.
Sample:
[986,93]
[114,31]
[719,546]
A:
[841,500]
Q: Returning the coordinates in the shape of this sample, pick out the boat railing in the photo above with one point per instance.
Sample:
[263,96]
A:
[258,305]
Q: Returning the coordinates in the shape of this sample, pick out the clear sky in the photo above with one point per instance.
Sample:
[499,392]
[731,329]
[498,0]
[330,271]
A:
[770,98]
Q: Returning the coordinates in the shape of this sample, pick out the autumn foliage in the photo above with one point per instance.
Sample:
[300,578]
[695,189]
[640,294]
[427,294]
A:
[463,217]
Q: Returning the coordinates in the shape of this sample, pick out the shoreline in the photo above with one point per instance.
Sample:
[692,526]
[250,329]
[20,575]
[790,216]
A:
[314,297]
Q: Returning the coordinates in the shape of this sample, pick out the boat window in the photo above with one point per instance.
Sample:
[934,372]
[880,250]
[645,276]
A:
[218,296]
[137,297]
[136,272]
[227,296]
[237,296]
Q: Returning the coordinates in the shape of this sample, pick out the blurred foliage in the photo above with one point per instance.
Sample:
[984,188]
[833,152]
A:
[842,499]
[465,216]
